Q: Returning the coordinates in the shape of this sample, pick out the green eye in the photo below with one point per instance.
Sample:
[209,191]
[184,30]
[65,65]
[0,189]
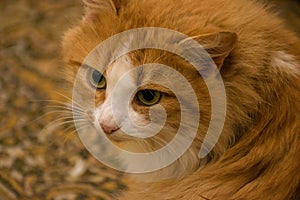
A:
[148,97]
[96,79]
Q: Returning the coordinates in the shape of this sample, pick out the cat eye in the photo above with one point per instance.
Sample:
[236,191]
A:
[148,97]
[96,79]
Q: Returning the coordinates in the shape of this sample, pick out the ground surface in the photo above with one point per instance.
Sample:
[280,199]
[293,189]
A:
[37,160]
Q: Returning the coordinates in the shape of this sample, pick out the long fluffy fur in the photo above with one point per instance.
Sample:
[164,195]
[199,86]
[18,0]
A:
[257,156]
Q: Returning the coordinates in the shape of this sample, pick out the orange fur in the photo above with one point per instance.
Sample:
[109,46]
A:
[257,155]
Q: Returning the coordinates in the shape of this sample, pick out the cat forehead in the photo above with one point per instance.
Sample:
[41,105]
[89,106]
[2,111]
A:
[146,65]
[117,70]
[119,67]
[126,73]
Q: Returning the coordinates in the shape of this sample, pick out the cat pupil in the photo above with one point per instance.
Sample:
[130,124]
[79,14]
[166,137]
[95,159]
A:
[148,95]
[97,76]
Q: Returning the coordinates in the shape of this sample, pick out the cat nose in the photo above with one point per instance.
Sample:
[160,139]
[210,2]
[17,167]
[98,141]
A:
[109,128]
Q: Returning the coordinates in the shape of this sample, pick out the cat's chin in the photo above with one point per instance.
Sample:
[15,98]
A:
[119,136]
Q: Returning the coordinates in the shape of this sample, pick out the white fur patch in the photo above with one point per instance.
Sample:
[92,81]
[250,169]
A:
[116,71]
[286,63]
[111,113]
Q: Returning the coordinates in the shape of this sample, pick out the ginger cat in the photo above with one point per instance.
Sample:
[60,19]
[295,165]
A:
[257,153]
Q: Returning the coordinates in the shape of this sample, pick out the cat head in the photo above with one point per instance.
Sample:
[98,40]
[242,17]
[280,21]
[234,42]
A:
[131,96]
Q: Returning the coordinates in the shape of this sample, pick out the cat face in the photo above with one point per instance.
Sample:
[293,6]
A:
[124,101]
[133,96]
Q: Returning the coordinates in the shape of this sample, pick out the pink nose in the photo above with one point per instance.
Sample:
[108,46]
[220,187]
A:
[108,128]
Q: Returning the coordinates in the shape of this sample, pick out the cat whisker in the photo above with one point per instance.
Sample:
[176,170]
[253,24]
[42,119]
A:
[55,125]
[62,113]
[78,129]
[67,118]
[63,105]
[66,109]
[59,122]
[69,99]
[45,115]
[58,109]
[71,102]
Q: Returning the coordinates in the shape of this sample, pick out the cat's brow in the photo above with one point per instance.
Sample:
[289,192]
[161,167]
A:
[158,88]
[74,62]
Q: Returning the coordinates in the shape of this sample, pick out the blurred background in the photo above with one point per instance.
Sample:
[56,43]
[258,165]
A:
[37,159]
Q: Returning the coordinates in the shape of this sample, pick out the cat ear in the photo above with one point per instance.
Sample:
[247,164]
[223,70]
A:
[218,45]
[94,7]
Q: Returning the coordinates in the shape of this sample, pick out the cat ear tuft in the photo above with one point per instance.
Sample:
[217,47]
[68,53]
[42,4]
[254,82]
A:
[94,7]
[219,45]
